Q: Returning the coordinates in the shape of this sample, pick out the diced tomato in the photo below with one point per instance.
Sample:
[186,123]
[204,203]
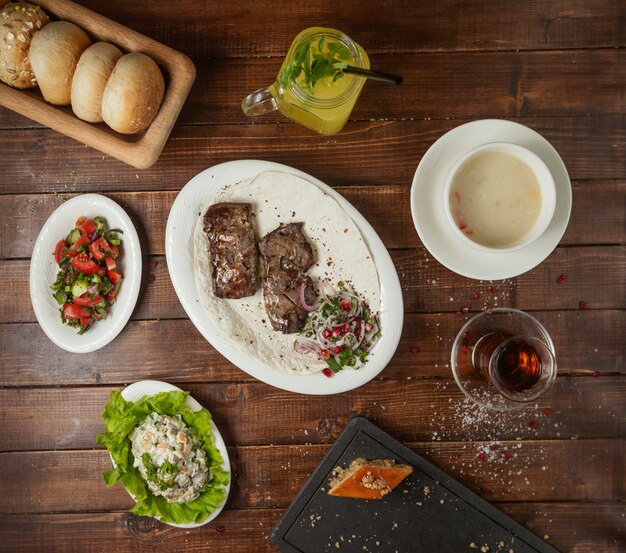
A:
[84,321]
[72,311]
[80,242]
[111,296]
[58,251]
[95,251]
[115,252]
[86,226]
[103,244]
[101,248]
[114,277]
[111,263]
[85,301]
[84,264]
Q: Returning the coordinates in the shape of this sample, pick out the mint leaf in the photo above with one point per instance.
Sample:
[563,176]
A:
[323,65]
[342,52]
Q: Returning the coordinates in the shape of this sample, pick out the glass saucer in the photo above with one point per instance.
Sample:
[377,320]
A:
[504,320]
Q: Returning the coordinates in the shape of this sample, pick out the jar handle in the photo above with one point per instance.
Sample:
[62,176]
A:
[259,102]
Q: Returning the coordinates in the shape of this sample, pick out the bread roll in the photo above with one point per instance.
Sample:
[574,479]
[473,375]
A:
[18,23]
[90,78]
[54,53]
[133,94]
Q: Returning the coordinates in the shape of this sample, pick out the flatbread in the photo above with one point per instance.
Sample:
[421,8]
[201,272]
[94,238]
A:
[340,250]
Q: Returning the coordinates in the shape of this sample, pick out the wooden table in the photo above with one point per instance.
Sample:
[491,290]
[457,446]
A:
[558,67]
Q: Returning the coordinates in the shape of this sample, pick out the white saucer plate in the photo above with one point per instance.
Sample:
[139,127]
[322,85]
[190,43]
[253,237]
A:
[428,202]
[43,271]
[179,253]
[137,390]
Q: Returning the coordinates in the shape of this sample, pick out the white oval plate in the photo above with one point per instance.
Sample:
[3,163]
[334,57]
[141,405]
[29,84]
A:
[136,391]
[43,271]
[179,254]
[428,203]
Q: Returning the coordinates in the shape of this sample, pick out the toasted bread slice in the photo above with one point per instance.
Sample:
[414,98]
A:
[368,479]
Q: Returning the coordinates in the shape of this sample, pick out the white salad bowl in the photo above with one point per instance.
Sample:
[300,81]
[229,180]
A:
[43,271]
[136,391]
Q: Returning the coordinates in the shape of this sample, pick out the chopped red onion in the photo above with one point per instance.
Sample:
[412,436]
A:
[302,300]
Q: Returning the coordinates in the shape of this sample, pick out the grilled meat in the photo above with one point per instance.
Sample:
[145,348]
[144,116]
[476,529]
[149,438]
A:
[233,250]
[286,256]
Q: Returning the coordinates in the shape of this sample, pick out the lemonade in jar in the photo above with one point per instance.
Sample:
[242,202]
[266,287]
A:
[314,87]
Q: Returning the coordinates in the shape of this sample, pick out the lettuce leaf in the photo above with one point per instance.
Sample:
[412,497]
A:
[121,416]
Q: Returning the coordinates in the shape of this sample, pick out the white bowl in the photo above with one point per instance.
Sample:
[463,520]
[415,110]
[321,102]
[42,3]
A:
[546,187]
[43,271]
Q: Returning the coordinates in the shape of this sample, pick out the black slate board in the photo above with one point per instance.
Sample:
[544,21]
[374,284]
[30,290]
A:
[428,511]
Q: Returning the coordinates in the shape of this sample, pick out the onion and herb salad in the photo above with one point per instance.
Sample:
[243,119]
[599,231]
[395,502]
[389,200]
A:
[340,329]
[89,277]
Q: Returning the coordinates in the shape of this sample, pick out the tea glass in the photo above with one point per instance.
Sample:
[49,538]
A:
[477,350]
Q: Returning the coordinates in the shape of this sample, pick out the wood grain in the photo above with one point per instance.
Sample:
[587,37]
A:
[556,67]
[595,275]
[387,209]
[173,350]
[269,476]
[437,86]
[367,153]
[414,27]
[253,414]
[579,528]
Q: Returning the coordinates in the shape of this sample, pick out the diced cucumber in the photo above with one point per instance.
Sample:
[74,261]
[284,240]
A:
[73,236]
[60,297]
[79,288]
[115,241]
[95,278]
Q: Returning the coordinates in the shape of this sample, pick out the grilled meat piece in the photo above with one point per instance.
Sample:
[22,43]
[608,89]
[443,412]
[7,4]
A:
[233,250]
[286,256]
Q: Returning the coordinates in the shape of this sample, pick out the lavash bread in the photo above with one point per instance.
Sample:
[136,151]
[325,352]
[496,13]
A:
[90,79]
[133,94]
[18,24]
[54,53]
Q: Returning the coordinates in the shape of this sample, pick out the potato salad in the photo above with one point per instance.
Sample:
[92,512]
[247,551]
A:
[170,458]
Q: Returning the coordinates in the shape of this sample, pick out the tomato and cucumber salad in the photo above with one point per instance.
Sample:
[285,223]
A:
[89,276]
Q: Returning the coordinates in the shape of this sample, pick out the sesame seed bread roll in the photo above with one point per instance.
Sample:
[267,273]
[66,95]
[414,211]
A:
[133,94]
[90,79]
[54,53]
[18,24]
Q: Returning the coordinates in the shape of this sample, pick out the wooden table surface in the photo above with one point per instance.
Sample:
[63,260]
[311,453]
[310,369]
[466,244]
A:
[558,67]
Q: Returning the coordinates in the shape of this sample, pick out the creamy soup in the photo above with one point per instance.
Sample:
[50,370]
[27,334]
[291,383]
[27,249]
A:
[495,199]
